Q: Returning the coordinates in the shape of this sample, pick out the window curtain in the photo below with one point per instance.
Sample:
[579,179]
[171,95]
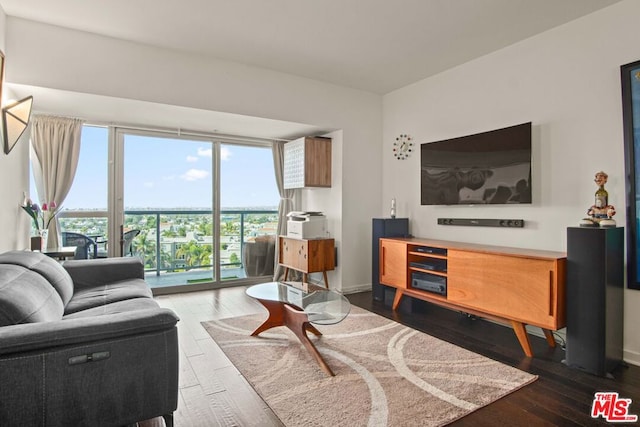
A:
[286,202]
[55,148]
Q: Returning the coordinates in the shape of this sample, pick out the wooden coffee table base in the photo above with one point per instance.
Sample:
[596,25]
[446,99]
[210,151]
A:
[281,314]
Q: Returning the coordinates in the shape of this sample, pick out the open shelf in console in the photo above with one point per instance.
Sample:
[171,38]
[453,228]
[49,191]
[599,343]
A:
[428,270]
[428,259]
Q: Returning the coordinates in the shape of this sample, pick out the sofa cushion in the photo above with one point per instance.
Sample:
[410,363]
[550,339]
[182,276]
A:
[126,306]
[47,267]
[27,297]
[109,293]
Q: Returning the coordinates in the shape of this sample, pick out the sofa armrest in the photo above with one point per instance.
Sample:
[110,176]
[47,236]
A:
[48,335]
[102,271]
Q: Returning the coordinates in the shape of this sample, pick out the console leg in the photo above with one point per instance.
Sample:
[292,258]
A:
[523,338]
[396,299]
[550,339]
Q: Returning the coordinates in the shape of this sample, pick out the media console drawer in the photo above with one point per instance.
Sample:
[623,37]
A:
[514,286]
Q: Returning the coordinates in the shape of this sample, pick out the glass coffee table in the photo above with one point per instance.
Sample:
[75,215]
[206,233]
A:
[296,306]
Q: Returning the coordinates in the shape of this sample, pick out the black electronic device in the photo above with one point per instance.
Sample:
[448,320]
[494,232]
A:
[431,250]
[482,222]
[432,264]
[429,282]
[485,168]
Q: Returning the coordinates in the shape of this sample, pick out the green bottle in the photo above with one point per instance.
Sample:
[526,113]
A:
[602,197]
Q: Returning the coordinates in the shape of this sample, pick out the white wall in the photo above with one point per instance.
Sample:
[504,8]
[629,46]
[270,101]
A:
[14,172]
[567,82]
[53,57]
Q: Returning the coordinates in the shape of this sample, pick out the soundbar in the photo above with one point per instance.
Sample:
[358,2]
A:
[519,223]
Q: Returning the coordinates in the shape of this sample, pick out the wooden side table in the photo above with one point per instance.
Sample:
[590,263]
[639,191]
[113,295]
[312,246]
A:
[307,256]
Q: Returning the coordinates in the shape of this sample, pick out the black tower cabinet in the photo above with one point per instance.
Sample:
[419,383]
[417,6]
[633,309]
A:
[595,288]
[384,227]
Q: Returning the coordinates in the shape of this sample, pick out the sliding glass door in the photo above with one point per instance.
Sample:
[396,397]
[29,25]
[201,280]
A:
[249,215]
[203,211]
[165,200]
[199,211]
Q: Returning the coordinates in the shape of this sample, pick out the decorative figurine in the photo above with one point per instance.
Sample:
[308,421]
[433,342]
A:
[601,212]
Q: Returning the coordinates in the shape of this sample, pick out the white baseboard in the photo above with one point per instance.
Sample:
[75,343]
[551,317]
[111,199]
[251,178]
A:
[354,289]
[631,357]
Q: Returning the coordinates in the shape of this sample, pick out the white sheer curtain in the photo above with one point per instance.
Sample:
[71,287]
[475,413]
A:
[286,201]
[55,144]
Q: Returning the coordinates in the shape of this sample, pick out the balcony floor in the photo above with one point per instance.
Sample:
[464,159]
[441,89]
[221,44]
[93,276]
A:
[190,277]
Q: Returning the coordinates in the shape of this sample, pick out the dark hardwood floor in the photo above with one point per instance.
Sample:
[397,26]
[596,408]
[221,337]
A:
[213,393]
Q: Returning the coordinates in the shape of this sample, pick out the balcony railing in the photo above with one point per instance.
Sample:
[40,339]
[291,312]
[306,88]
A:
[175,241]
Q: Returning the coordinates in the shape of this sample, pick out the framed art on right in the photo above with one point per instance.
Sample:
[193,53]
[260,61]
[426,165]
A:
[630,74]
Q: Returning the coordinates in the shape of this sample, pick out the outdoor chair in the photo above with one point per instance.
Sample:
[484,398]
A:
[127,242]
[86,247]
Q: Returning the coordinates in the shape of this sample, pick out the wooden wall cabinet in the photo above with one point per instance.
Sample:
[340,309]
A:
[307,163]
[307,256]
[518,287]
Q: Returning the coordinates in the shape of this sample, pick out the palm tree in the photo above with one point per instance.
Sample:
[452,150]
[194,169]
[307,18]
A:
[148,251]
[195,254]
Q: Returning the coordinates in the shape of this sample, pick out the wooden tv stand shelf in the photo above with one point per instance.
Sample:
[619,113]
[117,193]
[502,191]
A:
[515,286]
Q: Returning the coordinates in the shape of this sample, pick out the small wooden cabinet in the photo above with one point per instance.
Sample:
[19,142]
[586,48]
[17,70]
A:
[515,286]
[307,163]
[307,256]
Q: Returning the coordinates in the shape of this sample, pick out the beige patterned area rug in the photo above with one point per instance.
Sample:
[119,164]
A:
[386,374]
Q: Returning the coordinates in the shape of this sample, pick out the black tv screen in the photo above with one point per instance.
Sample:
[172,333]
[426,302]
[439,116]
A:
[486,168]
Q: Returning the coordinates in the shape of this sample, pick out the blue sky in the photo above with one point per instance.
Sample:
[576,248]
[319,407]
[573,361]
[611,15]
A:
[170,173]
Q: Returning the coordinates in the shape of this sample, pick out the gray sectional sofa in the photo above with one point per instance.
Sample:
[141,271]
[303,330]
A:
[83,344]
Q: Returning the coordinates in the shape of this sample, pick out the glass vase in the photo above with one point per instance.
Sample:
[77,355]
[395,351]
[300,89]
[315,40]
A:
[39,242]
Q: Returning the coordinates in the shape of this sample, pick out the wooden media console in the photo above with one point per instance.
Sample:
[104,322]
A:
[518,287]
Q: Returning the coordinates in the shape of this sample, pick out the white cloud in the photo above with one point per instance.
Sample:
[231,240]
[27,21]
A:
[225,153]
[194,175]
[192,159]
[205,152]
[169,177]
[148,185]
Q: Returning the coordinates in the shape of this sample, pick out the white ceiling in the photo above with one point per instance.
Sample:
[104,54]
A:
[373,45]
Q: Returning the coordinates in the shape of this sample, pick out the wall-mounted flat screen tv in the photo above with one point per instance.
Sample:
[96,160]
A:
[486,168]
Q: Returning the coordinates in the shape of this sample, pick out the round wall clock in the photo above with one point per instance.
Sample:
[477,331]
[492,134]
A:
[402,147]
